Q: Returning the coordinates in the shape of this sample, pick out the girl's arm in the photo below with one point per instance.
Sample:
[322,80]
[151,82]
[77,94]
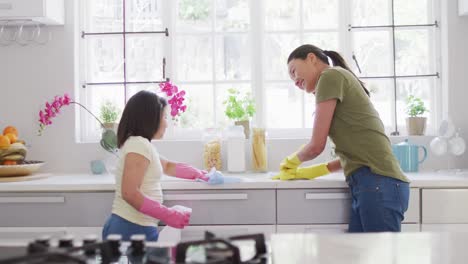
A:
[134,170]
[322,122]
[182,170]
[169,167]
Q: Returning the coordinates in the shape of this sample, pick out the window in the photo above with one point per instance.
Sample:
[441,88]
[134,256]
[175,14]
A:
[214,45]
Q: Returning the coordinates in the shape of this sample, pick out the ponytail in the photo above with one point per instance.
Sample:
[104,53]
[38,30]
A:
[339,61]
[323,55]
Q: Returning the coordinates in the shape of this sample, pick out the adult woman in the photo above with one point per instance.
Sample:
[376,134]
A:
[344,112]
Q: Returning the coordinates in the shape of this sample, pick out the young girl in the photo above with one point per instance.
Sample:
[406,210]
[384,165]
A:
[344,112]
[137,206]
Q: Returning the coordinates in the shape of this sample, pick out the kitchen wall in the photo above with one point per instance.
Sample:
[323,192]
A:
[30,75]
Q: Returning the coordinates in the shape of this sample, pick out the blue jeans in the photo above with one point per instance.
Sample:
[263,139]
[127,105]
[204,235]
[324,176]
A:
[118,225]
[378,202]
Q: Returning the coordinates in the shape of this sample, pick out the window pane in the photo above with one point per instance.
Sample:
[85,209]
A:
[232,57]
[283,105]
[413,52]
[422,88]
[143,15]
[320,14]
[277,49]
[281,15]
[193,58]
[222,95]
[144,57]
[194,15]
[232,15]
[373,50]
[103,16]
[104,55]
[381,95]
[371,13]
[199,101]
[96,95]
[413,12]
[323,40]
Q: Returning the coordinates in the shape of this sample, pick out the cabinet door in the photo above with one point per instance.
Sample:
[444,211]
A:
[444,227]
[331,228]
[85,209]
[198,232]
[27,234]
[226,207]
[445,206]
[313,206]
[312,229]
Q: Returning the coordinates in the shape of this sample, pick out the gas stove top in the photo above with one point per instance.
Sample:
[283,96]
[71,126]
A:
[246,249]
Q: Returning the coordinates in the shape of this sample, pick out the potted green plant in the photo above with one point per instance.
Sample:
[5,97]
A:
[415,122]
[109,114]
[239,109]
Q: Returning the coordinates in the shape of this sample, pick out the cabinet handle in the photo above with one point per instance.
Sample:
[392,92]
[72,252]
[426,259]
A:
[206,196]
[327,196]
[5,6]
[56,199]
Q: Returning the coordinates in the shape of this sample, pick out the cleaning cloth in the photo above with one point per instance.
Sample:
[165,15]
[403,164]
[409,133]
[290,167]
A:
[216,177]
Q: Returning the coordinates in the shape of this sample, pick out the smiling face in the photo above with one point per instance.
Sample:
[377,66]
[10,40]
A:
[305,73]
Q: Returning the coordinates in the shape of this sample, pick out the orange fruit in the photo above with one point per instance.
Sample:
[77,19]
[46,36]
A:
[13,138]
[9,162]
[4,141]
[10,129]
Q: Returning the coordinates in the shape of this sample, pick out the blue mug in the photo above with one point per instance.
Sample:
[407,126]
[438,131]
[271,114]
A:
[98,167]
[407,155]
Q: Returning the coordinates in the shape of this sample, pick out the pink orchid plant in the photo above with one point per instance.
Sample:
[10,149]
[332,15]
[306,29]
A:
[53,108]
[176,99]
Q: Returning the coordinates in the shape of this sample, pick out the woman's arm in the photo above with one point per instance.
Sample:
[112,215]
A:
[334,165]
[134,171]
[322,122]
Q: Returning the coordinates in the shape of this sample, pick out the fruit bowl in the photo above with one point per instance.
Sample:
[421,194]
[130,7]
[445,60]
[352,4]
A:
[26,168]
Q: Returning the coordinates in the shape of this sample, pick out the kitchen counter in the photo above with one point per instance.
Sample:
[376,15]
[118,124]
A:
[391,248]
[106,182]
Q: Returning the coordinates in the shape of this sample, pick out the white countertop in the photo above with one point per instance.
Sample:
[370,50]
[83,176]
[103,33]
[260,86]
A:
[382,248]
[105,182]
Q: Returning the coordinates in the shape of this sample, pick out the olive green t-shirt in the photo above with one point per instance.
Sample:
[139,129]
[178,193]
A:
[356,128]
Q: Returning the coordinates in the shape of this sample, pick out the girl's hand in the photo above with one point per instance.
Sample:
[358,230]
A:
[186,171]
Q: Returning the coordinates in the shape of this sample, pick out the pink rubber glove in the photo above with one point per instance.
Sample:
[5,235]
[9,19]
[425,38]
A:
[170,216]
[186,171]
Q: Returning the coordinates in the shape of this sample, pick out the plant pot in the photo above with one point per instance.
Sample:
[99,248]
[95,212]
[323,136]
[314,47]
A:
[111,126]
[246,125]
[416,125]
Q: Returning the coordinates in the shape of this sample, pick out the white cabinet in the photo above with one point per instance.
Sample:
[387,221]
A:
[49,12]
[445,206]
[331,229]
[463,7]
[444,227]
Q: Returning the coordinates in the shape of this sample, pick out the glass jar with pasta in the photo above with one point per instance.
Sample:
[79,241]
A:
[259,150]
[212,149]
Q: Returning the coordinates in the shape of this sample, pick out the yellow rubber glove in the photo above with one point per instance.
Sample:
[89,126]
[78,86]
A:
[284,176]
[312,172]
[290,163]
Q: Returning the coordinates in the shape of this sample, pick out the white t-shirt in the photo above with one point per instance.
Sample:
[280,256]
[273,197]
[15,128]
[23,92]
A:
[150,187]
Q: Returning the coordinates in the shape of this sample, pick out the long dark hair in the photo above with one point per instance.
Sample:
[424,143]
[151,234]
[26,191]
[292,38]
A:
[141,116]
[302,51]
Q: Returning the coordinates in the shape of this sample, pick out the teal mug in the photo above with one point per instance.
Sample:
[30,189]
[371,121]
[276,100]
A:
[407,155]
[98,167]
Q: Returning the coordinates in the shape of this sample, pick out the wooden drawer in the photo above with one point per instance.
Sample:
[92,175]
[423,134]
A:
[226,207]
[55,209]
[327,206]
[448,206]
